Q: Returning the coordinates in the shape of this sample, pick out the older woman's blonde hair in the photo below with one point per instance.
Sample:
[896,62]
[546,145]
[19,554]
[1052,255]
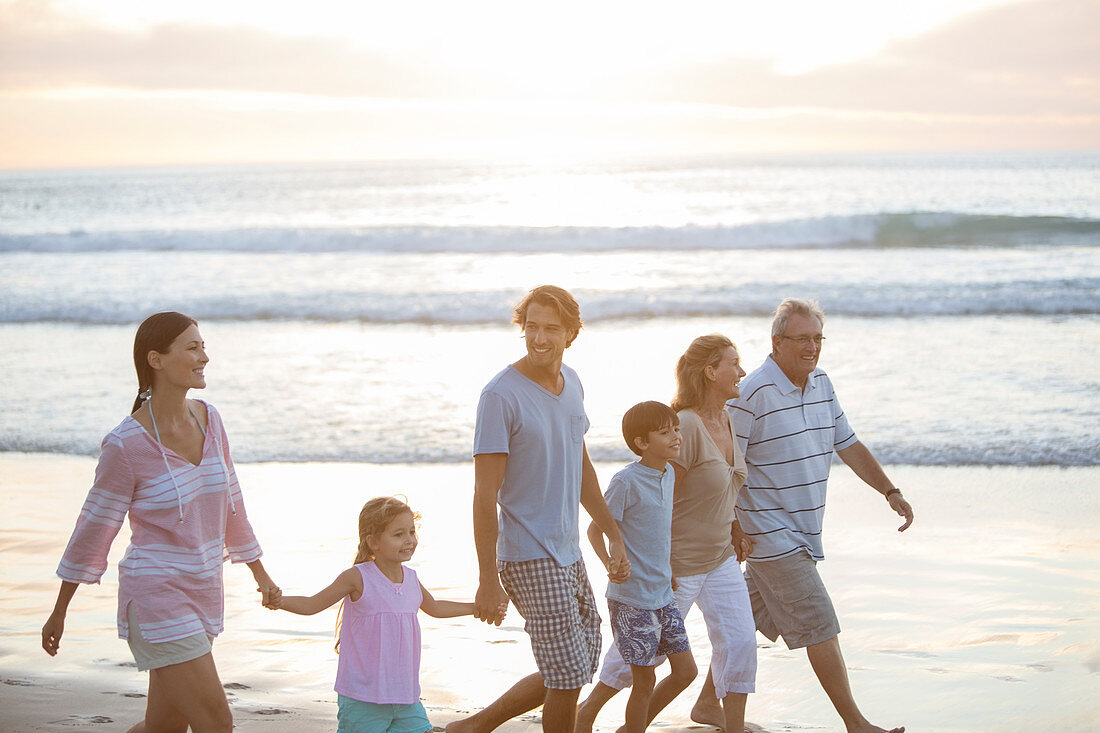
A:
[691,382]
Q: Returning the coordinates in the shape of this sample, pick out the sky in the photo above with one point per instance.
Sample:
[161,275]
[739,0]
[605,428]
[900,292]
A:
[149,82]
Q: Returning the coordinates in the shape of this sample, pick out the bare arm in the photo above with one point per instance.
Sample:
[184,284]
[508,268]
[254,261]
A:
[270,594]
[596,539]
[488,476]
[346,583]
[445,609]
[618,566]
[55,624]
[860,459]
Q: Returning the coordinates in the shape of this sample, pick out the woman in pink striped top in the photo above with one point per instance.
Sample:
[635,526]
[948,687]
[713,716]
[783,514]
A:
[168,467]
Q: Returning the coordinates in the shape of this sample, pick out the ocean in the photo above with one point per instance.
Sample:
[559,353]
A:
[354,311]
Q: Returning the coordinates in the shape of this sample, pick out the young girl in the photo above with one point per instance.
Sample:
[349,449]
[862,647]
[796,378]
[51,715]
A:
[377,675]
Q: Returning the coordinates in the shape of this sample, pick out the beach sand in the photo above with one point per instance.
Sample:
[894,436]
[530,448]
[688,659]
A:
[984,616]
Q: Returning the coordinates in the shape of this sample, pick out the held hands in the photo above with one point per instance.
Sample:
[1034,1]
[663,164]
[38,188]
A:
[618,566]
[491,602]
[898,503]
[271,597]
[270,594]
[742,543]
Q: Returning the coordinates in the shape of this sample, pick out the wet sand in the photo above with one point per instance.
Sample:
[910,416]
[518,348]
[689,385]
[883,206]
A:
[984,616]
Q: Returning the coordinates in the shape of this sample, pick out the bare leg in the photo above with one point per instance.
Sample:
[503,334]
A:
[733,710]
[185,694]
[725,714]
[592,705]
[707,709]
[527,694]
[681,675]
[637,707]
[559,712]
[828,665]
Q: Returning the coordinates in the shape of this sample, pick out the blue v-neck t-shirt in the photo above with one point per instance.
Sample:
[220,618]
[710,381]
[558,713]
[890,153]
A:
[543,435]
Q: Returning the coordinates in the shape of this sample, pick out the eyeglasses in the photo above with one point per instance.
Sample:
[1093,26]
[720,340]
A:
[805,340]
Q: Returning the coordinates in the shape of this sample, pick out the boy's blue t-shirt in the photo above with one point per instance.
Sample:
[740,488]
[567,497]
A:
[640,500]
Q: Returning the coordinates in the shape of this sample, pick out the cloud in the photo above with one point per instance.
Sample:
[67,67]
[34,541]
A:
[1021,75]
[41,51]
[1035,57]
[1029,58]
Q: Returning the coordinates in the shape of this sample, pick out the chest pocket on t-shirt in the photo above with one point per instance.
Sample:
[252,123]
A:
[821,424]
[577,425]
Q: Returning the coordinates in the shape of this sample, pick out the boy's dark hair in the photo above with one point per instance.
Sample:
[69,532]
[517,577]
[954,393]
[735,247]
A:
[645,418]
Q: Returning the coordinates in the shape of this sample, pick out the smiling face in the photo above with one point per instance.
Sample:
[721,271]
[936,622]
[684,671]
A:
[546,336]
[797,350]
[183,364]
[660,446]
[397,542]
[726,375]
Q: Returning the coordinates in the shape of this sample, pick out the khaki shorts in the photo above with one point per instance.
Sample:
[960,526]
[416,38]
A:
[151,655]
[789,600]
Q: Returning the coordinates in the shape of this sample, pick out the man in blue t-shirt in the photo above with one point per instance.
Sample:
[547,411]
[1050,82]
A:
[530,460]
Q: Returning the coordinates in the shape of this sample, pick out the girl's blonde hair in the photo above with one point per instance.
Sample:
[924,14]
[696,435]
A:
[691,384]
[374,517]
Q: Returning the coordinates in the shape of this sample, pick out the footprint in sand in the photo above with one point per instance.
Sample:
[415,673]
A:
[84,720]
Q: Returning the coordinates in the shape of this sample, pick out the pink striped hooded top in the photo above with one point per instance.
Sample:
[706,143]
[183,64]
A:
[172,570]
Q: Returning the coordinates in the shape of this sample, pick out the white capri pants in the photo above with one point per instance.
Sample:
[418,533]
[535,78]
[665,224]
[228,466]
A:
[723,599]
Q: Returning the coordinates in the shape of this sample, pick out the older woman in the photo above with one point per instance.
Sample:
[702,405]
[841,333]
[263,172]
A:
[167,465]
[706,539]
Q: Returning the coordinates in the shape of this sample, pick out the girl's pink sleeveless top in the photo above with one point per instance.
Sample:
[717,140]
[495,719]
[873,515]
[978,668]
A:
[379,658]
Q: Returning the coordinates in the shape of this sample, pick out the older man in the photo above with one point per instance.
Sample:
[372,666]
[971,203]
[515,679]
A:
[789,422]
[530,459]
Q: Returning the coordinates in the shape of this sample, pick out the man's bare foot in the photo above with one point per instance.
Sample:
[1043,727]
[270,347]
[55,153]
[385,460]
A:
[868,728]
[461,726]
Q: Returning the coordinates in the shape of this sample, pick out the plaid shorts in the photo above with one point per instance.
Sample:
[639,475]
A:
[560,616]
[642,635]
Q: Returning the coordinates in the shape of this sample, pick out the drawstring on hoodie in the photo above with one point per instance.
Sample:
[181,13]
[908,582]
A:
[164,457]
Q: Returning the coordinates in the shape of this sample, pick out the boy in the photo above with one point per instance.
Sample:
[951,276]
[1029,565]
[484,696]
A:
[644,617]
